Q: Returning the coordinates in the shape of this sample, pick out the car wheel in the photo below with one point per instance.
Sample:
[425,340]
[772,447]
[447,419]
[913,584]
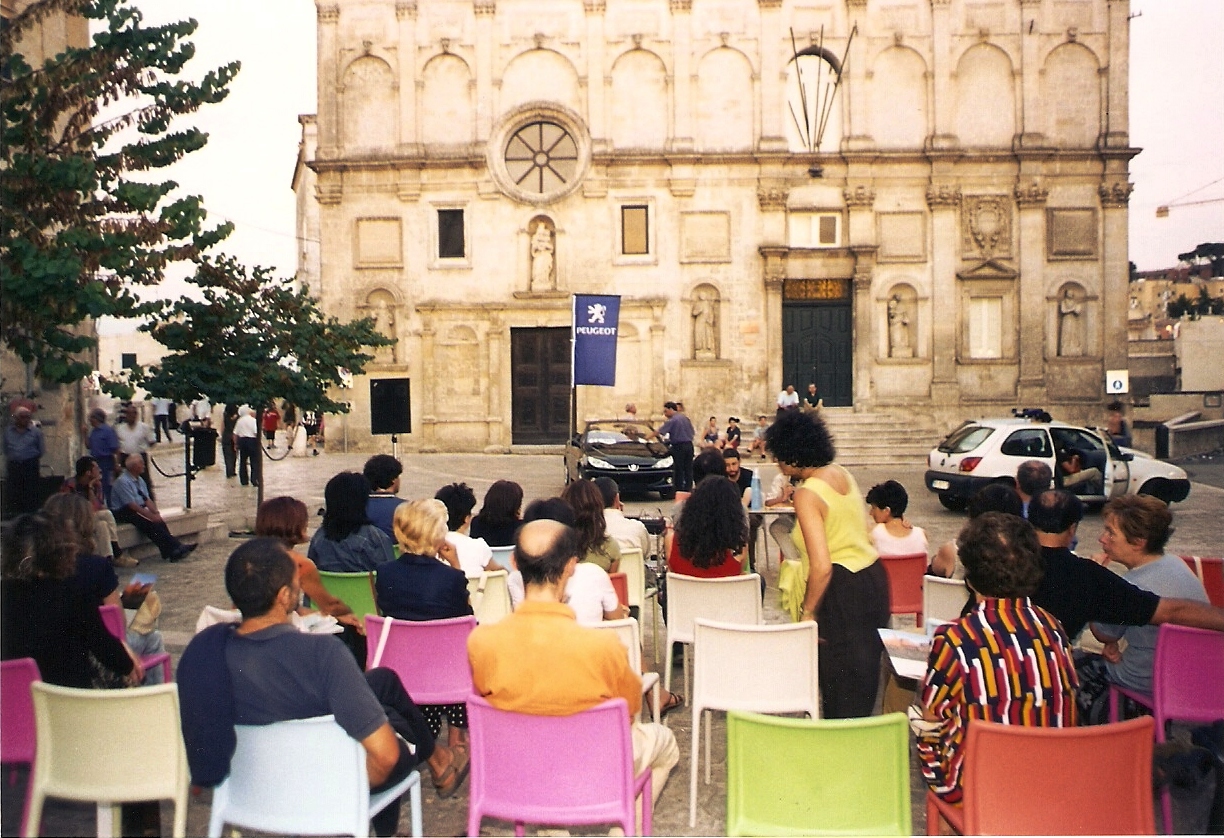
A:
[952,502]
[1162,489]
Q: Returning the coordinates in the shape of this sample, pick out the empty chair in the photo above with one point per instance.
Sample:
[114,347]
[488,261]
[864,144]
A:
[764,669]
[633,565]
[620,584]
[1187,685]
[271,790]
[1210,571]
[587,759]
[430,657]
[17,742]
[905,583]
[1029,781]
[627,630]
[112,618]
[501,557]
[817,777]
[490,596]
[356,590]
[108,747]
[734,599]
[943,599]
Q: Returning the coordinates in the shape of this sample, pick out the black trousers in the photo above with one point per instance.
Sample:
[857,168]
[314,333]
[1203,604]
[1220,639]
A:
[249,460]
[682,465]
[408,721]
[854,606]
[155,531]
[229,453]
[21,486]
[161,422]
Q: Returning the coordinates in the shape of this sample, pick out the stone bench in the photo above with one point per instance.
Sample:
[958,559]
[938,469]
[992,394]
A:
[188,525]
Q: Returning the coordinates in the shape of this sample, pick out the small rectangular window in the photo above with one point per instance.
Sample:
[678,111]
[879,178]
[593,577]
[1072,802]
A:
[451,243]
[814,229]
[635,231]
[986,327]
[127,360]
[828,231]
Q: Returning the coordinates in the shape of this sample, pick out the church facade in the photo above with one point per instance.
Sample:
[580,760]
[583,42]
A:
[918,205]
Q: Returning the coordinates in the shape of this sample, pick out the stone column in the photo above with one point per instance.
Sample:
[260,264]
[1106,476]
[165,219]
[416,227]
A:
[485,10]
[773,79]
[683,83]
[864,325]
[1117,104]
[428,386]
[329,82]
[1115,270]
[1032,115]
[941,67]
[405,16]
[497,435]
[658,369]
[1031,200]
[774,280]
[856,126]
[596,87]
[944,201]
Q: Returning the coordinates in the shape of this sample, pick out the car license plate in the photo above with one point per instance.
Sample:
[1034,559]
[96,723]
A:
[939,484]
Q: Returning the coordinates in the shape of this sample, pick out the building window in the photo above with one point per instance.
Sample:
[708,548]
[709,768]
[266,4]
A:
[815,229]
[986,327]
[635,230]
[451,244]
[127,360]
[541,157]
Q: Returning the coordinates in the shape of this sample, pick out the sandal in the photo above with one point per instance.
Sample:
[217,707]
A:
[448,782]
[670,703]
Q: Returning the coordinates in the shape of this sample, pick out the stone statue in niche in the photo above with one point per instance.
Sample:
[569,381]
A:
[543,259]
[899,345]
[1070,325]
[705,324]
[382,311]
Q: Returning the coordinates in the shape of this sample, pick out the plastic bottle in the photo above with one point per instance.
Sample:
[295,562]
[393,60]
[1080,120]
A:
[755,502]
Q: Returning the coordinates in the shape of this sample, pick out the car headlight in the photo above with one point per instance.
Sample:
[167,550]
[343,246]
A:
[666,462]
[596,462]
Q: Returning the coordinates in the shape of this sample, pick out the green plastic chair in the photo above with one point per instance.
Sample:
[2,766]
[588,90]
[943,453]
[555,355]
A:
[789,776]
[356,590]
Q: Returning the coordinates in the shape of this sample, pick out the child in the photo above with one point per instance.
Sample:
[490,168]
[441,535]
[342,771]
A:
[758,438]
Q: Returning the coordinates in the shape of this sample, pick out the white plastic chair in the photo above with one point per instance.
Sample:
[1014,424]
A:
[501,557]
[761,669]
[943,599]
[633,565]
[490,596]
[109,747]
[734,599]
[271,787]
[627,630]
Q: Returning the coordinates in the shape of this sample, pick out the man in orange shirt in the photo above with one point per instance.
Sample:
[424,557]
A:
[540,661]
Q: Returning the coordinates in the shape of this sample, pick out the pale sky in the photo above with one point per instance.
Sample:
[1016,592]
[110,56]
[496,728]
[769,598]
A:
[245,171]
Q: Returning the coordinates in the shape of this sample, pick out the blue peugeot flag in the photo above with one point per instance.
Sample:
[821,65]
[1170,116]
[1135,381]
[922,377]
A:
[596,319]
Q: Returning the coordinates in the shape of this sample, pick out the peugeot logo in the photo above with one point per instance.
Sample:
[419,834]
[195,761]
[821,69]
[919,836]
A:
[633,467]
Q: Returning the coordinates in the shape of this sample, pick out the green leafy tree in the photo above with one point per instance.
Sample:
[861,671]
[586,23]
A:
[84,218]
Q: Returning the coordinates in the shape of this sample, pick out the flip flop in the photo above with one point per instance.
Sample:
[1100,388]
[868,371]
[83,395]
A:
[448,782]
[670,703]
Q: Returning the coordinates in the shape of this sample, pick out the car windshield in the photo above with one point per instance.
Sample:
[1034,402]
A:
[627,438]
[965,438]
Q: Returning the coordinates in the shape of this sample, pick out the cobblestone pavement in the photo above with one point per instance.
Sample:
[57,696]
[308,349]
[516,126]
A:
[188,586]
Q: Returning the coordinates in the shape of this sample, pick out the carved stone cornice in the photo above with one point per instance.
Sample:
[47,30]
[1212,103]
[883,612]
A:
[595,7]
[770,4]
[860,197]
[405,9]
[328,14]
[329,193]
[856,4]
[1032,195]
[1028,3]
[1115,194]
[940,4]
[772,197]
[775,265]
[485,8]
[676,6]
[943,195]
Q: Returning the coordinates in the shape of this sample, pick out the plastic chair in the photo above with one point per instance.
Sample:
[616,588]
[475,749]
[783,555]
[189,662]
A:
[817,777]
[17,741]
[270,790]
[110,747]
[587,758]
[905,583]
[943,599]
[112,618]
[356,590]
[1210,571]
[1022,780]
[764,669]
[430,657]
[620,584]
[627,630]
[633,565]
[1187,685]
[501,556]
[734,599]
[490,596]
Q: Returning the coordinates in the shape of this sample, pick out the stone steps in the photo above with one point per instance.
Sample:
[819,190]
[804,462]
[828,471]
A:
[880,439]
[191,526]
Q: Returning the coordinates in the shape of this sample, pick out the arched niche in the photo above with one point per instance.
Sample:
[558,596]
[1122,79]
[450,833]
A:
[457,358]
[1073,321]
[540,75]
[724,112]
[639,110]
[899,110]
[542,253]
[900,311]
[817,70]
[446,99]
[1071,94]
[369,102]
[985,98]
[705,321]
[382,306]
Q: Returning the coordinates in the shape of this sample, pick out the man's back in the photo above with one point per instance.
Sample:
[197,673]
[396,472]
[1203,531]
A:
[1078,591]
[630,533]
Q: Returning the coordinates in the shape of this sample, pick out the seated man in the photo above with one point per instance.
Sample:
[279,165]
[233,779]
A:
[1074,477]
[782,493]
[629,533]
[265,671]
[131,504]
[540,661]
[382,472]
[1032,478]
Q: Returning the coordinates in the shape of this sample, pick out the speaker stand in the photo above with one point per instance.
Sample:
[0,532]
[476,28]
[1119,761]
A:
[395,446]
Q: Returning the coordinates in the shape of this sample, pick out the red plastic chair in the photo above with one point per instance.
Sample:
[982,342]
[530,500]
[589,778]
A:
[1030,781]
[620,584]
[905,583]
[1210,571]
[430,657]
[1188,685]
[587,758]
[17,740]
[112,618]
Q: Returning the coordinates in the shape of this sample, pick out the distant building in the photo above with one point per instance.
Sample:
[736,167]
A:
[954,245]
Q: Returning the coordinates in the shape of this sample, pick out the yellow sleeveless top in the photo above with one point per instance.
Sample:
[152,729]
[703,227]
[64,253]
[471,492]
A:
[845,526]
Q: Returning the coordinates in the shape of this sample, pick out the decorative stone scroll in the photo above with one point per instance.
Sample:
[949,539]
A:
[862,197]
[1032,195]
[772,197]
[1116,194]
[943,195]
[987,226]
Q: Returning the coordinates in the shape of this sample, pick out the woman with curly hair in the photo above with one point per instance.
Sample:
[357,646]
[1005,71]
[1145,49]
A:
[711,533]
[594,543]
[842,583]
[500,514]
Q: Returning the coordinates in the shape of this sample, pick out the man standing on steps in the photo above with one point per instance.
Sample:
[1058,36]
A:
[679,433]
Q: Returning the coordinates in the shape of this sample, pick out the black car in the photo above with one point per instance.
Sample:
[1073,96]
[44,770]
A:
[621,450]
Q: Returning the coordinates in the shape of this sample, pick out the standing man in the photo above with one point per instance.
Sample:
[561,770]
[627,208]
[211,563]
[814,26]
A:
[23,450]
[539,661]
[788,399]
[132,504]
[103,443]
[135,437]
[229,445]
[246,433]
[679,433]
[742,478]
[161,418]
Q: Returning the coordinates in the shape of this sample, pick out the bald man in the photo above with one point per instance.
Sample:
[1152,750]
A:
[131,504]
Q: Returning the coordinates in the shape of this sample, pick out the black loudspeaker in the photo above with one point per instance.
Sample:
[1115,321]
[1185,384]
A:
[390,407]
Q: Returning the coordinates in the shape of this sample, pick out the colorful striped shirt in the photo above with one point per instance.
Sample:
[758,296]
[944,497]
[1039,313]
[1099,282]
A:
[1008,661]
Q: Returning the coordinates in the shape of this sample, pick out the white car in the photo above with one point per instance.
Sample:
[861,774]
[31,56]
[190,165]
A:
[986,451]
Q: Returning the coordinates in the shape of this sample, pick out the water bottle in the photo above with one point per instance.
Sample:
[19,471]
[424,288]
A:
[755,502]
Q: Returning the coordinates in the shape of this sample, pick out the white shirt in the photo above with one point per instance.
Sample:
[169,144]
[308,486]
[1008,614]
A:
[630,533]
[786,399]
[134,439]
[161,407]
[474,553]
[201,409]
[245,426]
[589,592]
[887,544]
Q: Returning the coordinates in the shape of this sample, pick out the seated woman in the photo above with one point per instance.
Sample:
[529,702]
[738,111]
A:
[425,583]
[1137,527]
[594,543]
[87,482]
[1023,646]
[347,542]
[892,534]
[711,534]
[498,520]
[474,553]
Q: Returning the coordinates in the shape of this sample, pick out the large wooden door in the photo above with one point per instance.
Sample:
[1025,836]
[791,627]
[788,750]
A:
[818,346]
[540,385]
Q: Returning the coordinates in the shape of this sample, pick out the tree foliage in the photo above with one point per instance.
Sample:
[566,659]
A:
[84,219]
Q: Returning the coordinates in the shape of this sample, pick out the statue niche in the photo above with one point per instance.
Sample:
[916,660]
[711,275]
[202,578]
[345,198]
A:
[704,314]
[543,255]
[1071,322]
[901,313]
[380,306]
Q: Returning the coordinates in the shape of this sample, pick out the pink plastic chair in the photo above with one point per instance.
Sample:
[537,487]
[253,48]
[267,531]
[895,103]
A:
[430,657]
[112,618]
[905,583]
[1188,685]
[17,740]
[588,758]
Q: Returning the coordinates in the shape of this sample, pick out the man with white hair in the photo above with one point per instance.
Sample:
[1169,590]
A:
[23,450]
[132,504]
[246,432]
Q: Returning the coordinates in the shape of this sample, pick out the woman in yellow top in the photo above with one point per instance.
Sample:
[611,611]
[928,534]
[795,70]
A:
[847,589]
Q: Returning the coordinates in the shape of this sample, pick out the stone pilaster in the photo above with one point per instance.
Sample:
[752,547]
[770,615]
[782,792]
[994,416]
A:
[682,87]
[405,17]
[1117,102]
[485,47]
[596,89]
[773,138]
[864,324]
[944,103]
[428,391]
[773,263]
[1115,270]
[944,201]
[329,81]
[1032,116]
[1031,202]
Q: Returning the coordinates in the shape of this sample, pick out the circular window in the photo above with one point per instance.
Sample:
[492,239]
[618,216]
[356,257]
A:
[541,158]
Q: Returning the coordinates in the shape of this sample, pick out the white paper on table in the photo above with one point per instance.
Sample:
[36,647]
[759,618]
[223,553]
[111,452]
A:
[907,651]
